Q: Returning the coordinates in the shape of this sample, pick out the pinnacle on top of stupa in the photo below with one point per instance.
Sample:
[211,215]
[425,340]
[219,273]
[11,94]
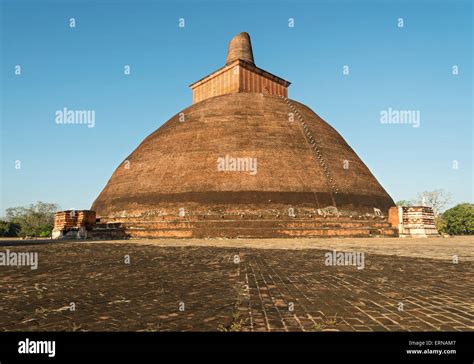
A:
[240,47]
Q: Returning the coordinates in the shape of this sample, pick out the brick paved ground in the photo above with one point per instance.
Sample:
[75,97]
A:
[238,288]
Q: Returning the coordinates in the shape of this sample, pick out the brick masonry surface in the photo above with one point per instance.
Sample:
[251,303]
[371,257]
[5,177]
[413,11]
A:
[238,76]
[239,288]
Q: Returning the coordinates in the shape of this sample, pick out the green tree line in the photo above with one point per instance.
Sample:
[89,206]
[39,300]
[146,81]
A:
[36,220]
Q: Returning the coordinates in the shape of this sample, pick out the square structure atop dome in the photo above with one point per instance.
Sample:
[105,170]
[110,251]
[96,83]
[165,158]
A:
[239,75]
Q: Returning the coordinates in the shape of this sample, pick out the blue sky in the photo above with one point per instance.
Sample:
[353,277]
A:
[407,68]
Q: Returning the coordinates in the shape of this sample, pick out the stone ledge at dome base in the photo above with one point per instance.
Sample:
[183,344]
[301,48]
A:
[247,202]
[298,222]
[218,227]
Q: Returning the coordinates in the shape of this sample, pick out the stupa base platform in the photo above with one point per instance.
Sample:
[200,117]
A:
[232,227]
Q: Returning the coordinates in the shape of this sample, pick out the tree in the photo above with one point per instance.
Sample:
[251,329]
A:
[404,203]
[437,200]
[440,223]
[9,229]
[35,220]
[459,220]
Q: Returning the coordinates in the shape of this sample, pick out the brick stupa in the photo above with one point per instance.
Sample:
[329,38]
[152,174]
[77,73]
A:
[307,180]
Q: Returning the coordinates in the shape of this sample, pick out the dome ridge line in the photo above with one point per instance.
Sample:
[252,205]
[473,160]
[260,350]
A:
[308,136]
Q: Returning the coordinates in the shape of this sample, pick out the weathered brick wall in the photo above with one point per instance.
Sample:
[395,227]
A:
[393,217]
[224,81]
[250,226]
[413,221]
[253,82]
[82,224]
[74,219]
[238,76]
[418,217]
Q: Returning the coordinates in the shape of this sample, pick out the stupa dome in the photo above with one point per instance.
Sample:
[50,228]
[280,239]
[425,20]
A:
[242,147]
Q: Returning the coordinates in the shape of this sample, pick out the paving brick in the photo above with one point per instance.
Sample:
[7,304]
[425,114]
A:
[145,295]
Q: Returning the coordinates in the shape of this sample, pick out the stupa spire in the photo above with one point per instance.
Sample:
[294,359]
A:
[240,47]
